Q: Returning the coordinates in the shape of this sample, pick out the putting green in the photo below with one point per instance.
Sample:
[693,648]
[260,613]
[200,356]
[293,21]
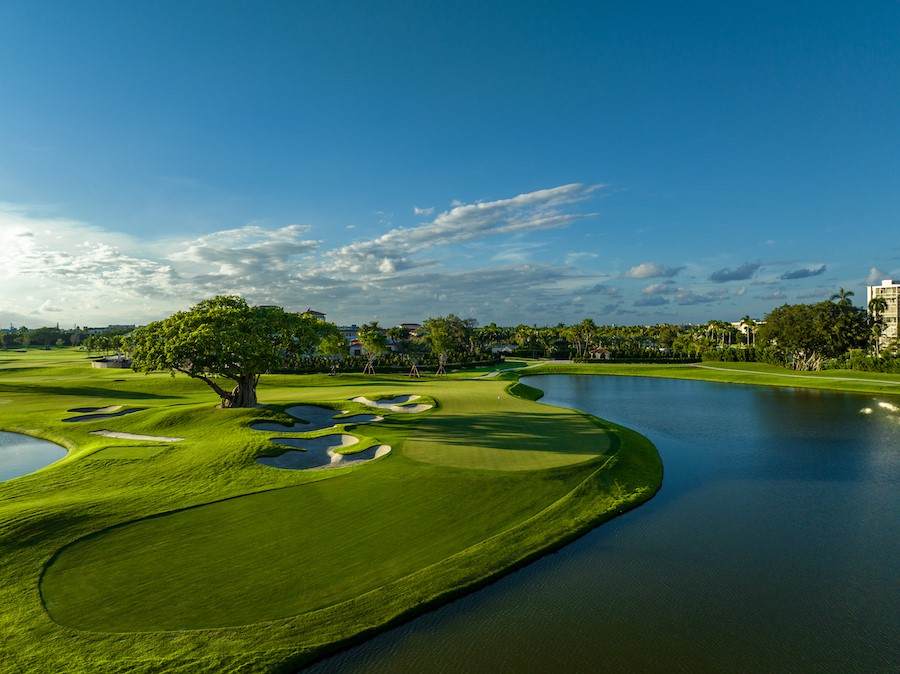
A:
[501,432]
[279,553]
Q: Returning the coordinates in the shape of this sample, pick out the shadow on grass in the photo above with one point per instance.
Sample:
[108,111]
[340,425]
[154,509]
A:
[47,389]
[518,431]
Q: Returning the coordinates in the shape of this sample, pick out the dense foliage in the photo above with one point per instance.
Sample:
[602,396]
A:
[808,334]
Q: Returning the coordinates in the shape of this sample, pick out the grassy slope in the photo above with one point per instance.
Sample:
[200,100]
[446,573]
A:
[323,558]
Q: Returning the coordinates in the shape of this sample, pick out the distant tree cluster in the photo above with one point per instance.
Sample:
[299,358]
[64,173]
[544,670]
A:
[805,336]
[225,339]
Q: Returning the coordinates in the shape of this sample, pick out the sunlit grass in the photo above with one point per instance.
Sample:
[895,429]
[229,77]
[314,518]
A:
[105,552]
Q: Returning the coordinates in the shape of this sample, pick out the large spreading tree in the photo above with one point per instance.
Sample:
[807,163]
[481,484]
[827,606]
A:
[224,338]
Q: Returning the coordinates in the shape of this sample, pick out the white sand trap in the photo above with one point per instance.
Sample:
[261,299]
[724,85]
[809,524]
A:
[889,406]
[135,436]
[319,453]
[866,410]
[316,418]
[394,404]
[98,416]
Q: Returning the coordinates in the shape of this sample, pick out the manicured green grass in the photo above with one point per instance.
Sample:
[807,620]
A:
[281,553]
[477,429]
[107,552]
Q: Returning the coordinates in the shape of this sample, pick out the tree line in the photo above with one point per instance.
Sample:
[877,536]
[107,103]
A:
[224,338]
[107,341]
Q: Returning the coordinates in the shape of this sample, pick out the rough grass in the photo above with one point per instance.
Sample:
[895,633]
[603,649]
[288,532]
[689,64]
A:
[190,556]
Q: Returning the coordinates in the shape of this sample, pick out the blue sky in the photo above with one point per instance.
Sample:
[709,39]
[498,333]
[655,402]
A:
[537,162]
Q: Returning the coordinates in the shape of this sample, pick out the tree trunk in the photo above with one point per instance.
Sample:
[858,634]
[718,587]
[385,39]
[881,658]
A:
[369,368]
[242,395]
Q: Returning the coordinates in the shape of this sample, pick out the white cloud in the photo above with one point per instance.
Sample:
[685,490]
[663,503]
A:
[572,258]
[476,257]
[776,294]
[652,301]
[48,307]
[250,245]
[876,276]
[517,252]
[686,296]
[538,210]
[660,288]
[651,270]
[670,291]
[423,211]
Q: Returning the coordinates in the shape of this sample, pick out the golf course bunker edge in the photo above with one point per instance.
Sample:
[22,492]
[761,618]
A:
[319,453]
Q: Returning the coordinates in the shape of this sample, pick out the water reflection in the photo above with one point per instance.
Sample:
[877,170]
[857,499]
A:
[22,454]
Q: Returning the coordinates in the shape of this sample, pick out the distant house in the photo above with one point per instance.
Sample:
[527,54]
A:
[412,327]
[109,328]
[600,354]
[313,313]
[117,361]
[350,332]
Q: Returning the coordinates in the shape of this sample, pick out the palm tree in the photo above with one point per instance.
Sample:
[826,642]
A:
[877,306]
[843,297]
[750,323]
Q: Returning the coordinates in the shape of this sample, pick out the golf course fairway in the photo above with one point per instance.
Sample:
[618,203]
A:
[183,553]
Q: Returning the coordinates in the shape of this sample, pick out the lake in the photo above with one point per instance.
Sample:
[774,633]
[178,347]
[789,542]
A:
[22,454]
[773,545]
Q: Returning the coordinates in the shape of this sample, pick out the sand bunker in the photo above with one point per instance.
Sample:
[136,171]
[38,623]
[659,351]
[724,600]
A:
[316,418]
[394,404]
[134,436]
[890,407]
[100,413]
[319,453]
[96,410]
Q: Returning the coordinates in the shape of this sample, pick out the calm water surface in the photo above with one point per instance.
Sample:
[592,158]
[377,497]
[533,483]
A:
[773,545]
[22,454]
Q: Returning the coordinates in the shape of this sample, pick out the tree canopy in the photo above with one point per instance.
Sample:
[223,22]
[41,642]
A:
[448,333]
[374,341]
[808,333]
[225,338]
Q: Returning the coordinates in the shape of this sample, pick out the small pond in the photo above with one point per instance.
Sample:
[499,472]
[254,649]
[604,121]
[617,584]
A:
[22,454]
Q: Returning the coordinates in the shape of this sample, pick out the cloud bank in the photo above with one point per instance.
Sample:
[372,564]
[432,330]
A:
[526,258]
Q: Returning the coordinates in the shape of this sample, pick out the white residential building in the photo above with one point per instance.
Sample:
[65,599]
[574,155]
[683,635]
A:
[890,291]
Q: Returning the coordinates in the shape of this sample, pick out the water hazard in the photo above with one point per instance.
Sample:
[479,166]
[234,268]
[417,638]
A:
[22,454]
[773,545]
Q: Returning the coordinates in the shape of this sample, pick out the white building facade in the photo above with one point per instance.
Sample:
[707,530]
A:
[890,291]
